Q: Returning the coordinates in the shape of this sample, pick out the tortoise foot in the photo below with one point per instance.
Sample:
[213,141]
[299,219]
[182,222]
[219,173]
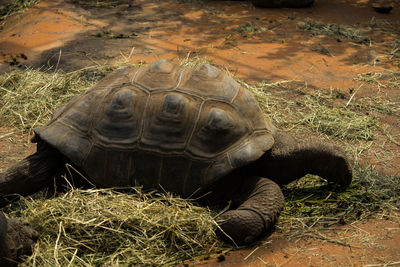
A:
[242,226]
[16,240]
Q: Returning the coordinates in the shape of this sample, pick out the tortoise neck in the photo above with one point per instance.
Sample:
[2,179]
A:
[289,160]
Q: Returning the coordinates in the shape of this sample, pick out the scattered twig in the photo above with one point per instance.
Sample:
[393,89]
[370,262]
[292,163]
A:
[5,135]
[251,253]
[351,97]
[390,137]
[383,265]
[318,235]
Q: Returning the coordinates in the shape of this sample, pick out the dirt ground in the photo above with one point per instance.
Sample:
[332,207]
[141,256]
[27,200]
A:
[255,45]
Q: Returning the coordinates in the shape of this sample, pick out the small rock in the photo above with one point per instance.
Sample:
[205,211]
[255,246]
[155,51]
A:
[221,258]
[382,6]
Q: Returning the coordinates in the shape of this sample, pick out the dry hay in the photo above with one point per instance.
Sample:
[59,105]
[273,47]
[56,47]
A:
[313,203]
[101,4]
[105,227]
[333,31]
[14,7]
[315,111]
[388,79]
[250,29]
[190,1]
[28,97]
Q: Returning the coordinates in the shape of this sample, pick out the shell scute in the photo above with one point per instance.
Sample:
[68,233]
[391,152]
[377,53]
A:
[249,108]
[169,122]
[160,75]
[209,82]
[146,169]
[217,130]
[117,120]
[177,167]
[78,112]
[93,168]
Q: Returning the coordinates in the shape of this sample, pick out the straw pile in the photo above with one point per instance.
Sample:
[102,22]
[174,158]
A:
[333,30]
[317,111]
[14,7]
[28,97]
[313,203]
[105,227]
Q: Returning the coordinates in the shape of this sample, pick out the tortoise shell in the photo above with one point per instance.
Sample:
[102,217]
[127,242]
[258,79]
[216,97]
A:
[161,125]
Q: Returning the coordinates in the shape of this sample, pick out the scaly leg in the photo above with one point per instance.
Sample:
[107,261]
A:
[259,202]
[31,174]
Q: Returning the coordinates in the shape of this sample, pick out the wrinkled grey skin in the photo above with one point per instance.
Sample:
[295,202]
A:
[193,132]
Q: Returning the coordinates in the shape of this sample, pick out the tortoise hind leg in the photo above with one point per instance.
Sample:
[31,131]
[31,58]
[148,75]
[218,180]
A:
[31,174]
[259,203]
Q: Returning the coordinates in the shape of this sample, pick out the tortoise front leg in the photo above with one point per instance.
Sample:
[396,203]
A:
[31,174]
[259,203]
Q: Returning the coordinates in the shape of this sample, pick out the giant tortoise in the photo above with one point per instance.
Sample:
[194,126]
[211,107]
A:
[187,131]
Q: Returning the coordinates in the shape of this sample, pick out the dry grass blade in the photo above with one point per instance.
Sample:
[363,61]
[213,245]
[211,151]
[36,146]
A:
[335,120]
[312,202]
[193,60]
[250,28]
[15,7]
[272,103]
[321,49]
[315,111]
[100,4]
[95,227]
[389,79]
[29,97]
[395,53]
[191,1]
[333,30]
